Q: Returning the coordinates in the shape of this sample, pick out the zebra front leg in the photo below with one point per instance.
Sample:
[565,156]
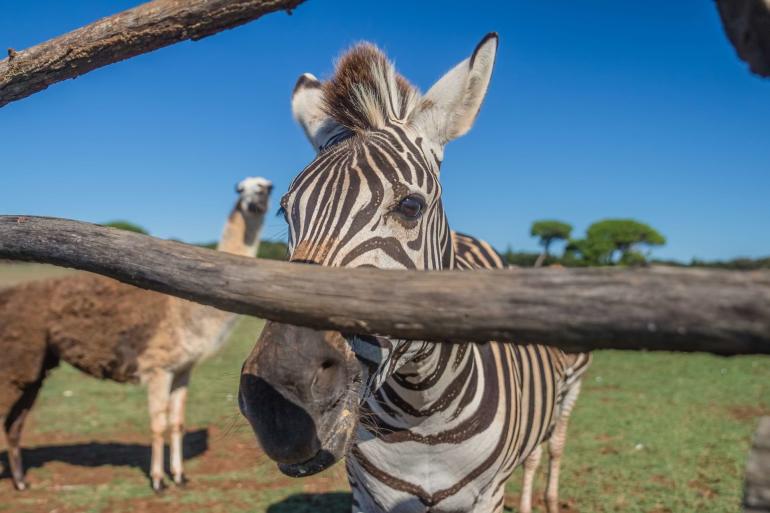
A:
[158,393]
[176,421]
[531,463]
[556,449]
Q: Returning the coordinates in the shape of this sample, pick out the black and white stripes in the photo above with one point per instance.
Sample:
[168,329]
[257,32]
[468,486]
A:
[441,426]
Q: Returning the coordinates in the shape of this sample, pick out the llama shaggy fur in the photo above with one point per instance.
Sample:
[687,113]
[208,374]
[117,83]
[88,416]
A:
[115,331]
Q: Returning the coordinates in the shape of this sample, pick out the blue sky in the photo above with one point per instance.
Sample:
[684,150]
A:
[596,109]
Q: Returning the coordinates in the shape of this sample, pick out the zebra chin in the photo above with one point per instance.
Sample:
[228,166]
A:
[335,450]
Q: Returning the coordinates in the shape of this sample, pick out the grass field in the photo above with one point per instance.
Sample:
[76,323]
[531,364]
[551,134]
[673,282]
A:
[651,433]
[12,273]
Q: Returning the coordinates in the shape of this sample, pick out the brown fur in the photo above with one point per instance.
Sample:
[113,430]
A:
[22,341]
[115,331]
[357,71]
[241,232]
[103,327]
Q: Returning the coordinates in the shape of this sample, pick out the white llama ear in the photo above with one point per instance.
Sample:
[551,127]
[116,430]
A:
[306,105]
[449,108]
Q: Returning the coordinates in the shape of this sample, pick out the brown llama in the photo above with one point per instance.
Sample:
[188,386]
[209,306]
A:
[110,330]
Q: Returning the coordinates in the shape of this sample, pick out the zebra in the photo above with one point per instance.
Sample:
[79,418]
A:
[425,426]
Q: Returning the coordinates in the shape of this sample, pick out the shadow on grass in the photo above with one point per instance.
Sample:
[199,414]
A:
[333,502]
[97,454]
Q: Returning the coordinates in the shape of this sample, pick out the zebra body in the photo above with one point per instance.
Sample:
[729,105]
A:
[439,427]
[445,431]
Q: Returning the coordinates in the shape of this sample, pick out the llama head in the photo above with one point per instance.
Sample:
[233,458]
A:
[254,195]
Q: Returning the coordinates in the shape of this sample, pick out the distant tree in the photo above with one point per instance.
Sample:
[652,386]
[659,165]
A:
[578,253]
[520,258]
[126,225]
[549,230]
[739,264]
[270,249]
[615,241]
[208,245]
[273,249]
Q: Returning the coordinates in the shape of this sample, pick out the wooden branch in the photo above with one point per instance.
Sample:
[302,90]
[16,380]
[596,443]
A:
[164,22]
[756,498]
[133,32]
[747,25]
[722,312]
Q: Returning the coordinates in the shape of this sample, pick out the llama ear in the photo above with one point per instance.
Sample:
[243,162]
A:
[449,108]
[307,107]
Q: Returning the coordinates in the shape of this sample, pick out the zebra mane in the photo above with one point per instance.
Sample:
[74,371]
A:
[366,92]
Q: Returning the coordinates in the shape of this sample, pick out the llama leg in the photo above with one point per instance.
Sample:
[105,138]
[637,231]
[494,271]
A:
[158,391]
[13,429]
[176,421]
[556,449]
[531,463]
[14,424]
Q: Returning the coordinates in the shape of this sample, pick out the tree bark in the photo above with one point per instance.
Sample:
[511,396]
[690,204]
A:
[756,498]
[722,312]
[133,32]
[747,25]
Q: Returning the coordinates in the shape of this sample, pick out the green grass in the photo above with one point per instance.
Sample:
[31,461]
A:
[652,432]
[76,414]
[662,432]
[13,273]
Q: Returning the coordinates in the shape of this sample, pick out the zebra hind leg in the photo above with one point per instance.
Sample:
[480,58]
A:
[556,449]
[531,463]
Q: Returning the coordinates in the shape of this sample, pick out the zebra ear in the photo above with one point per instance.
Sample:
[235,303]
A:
[449,108]
[306,105]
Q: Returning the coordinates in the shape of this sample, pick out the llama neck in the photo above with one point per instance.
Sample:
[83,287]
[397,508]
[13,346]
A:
[240,235]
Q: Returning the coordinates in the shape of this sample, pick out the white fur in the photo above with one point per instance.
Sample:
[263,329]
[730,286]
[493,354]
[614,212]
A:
[451,105]
[253,190]
[253,185]
[306,106]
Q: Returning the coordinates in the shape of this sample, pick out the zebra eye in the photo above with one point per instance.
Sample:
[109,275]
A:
[411,207]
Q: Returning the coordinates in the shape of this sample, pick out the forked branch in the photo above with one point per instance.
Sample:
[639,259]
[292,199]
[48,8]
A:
[133,32]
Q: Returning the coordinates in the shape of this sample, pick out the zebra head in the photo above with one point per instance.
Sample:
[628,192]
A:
[370,198]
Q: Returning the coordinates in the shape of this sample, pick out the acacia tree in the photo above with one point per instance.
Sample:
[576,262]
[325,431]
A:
[613,241]
[549,230]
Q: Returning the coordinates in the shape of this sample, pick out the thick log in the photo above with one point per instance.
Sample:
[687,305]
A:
[756,497]
[133,32]
[722,312]
[747,25]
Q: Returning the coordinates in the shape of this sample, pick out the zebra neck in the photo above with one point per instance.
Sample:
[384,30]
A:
[432,388]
